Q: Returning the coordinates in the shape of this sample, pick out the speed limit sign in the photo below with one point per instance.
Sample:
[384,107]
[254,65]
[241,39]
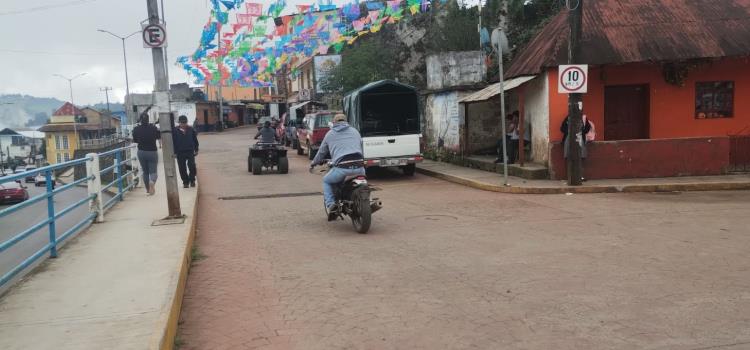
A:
[573,79]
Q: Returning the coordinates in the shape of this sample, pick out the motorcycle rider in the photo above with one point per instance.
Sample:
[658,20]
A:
[342,145]
[267,134]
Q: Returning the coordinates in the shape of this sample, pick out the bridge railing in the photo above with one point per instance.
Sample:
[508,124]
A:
[124,176]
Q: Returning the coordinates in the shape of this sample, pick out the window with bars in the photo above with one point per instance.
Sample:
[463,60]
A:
[66,156]
[57,142]
[65,142]
[59,158]
[714,99]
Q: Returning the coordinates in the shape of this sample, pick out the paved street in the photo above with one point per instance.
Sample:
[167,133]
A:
[449,267]
[29,216]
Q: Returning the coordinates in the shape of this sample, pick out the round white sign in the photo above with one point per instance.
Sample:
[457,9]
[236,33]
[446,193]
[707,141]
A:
[573,79]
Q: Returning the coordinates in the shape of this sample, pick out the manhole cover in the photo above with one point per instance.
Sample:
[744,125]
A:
[272,195]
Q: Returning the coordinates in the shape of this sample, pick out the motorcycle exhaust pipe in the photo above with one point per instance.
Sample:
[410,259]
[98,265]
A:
[375,206]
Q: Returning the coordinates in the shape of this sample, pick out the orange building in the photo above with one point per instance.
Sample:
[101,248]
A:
[668,88]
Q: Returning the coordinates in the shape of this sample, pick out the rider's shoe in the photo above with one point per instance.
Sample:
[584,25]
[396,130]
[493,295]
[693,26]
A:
[333,212]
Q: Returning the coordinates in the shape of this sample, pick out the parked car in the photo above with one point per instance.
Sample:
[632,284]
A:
[312,130]
[13,192]
[41,180]
[30,176]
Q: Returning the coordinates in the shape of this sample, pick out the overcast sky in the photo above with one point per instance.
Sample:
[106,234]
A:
[64,40]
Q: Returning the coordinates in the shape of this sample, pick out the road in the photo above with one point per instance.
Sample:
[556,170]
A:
[449,267]
[21,220]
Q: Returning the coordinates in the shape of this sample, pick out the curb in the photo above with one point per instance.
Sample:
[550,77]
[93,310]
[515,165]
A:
[170,317]
[684,187]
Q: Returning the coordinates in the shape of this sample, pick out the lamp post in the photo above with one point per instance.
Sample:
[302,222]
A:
[128,106]
[75,119]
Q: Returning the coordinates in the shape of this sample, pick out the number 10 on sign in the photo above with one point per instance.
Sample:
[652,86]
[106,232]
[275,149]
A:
[573,79]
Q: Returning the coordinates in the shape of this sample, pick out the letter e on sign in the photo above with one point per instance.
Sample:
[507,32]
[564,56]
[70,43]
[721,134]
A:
[154,36]
[573,79]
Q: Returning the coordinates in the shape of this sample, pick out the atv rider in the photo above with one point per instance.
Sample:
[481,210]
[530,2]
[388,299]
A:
[267,134]
[343,146]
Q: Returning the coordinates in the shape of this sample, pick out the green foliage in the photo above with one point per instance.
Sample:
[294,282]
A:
[369,59]
[455,31]
[524,22]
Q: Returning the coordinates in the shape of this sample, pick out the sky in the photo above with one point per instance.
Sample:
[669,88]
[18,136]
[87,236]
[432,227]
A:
[41,38]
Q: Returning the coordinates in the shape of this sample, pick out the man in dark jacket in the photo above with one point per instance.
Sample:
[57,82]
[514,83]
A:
[185,149]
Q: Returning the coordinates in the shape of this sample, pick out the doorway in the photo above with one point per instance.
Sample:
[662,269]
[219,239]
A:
[626,112]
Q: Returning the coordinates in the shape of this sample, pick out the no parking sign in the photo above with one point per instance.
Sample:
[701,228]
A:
[573,79]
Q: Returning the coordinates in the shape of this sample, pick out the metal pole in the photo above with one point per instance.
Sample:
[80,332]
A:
[502,114]
[221,96]
[75,117]
[128,98]
[574,112]
[162,87]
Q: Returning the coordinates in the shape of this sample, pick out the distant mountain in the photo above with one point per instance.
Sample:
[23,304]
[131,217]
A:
[26,110]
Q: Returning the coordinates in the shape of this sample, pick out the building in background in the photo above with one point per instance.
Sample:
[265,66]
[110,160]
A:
[72,132]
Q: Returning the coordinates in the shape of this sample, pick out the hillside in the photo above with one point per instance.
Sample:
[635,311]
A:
[28,110]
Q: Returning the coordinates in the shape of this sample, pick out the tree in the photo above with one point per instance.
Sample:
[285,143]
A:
[368,60]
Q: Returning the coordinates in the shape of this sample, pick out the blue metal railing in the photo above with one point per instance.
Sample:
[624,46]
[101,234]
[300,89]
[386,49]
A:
[124,181]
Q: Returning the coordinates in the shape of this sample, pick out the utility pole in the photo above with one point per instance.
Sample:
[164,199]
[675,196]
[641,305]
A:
[575,19]
[75,117]
[220,59]
[162,94]
[106,95]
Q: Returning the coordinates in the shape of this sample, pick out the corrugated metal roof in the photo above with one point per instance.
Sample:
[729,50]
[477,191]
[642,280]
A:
[494,89]
[617,32]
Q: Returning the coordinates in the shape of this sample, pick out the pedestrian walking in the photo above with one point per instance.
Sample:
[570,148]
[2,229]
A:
[146,136]
[185,148]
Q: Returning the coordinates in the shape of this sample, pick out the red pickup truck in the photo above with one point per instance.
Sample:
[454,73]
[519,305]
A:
[312,130]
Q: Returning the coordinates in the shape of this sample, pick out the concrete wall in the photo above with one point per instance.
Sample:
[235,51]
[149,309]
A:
[442,120]
[648,158]
[453,69]
[536,112]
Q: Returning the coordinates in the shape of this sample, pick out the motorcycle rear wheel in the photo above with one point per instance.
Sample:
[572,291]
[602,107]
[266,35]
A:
[361,214]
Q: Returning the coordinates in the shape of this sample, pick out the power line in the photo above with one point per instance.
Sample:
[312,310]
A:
[46,7]
[57,53]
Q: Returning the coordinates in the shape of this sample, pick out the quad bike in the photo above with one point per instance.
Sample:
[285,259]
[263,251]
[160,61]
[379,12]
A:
[267,155]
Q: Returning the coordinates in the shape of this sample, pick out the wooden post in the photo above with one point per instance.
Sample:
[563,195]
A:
[467,146]
[521,124]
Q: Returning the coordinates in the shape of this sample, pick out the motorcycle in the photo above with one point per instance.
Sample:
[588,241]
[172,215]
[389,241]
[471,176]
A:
[353,200]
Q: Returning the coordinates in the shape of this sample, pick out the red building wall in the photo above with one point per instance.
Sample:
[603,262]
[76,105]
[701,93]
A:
[672,107]
[679,144]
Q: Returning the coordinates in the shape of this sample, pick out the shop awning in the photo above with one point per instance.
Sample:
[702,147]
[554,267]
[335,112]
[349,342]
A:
[494,89]
[298,105]
[255,106]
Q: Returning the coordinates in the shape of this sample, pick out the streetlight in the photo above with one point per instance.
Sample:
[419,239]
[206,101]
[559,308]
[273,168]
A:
[128,107]
[75,119]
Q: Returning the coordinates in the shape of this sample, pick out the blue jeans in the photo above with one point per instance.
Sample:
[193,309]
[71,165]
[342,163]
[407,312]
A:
[334,177]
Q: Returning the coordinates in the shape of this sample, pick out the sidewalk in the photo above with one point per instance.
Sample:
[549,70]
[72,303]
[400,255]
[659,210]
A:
[489,181]
[118,285]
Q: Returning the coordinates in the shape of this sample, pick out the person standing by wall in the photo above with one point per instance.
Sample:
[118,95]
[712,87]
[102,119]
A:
[145,135]
[185,148]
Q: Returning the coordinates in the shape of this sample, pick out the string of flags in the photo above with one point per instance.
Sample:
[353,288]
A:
[251,47]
